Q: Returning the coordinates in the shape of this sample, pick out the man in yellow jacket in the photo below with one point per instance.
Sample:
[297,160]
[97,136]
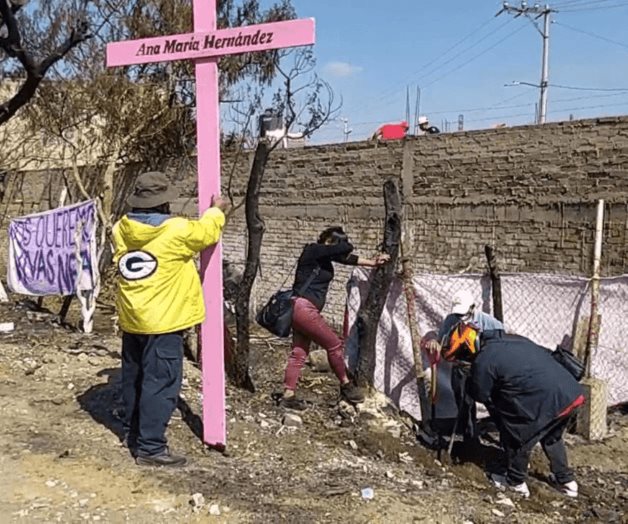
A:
[159,296]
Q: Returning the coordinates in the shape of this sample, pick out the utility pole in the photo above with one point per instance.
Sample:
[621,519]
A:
[347,130]
[417,110]
[539,11]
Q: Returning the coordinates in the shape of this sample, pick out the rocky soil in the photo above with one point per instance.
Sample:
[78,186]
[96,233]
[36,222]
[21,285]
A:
[62,460]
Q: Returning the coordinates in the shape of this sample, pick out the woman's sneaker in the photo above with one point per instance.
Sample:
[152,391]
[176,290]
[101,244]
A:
[351,393]
[569,489]
[294,403]
[501,482]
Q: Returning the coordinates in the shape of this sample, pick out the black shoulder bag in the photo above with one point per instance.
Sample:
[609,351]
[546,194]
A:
[276,315]
[570,362]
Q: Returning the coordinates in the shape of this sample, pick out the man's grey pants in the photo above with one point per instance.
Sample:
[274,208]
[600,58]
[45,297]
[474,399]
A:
[152,368]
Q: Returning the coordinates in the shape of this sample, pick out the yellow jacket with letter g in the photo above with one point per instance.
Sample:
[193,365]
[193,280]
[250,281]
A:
[159,289]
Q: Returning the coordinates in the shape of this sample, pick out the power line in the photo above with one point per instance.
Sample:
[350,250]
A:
[575,88]
[516,106]
[592,35]
[580,4]
[394,90]
[460,66]
[553,112]
[467,61]
[578,9]
[485,37]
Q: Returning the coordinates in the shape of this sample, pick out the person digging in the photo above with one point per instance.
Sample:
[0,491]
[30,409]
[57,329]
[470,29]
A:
[528,393]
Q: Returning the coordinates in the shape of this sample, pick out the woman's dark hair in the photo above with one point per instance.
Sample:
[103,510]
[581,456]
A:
[335,233]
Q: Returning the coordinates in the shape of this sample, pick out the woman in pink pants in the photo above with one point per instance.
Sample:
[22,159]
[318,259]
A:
[314,273]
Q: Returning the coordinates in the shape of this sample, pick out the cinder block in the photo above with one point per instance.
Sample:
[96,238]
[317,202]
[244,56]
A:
[592,423]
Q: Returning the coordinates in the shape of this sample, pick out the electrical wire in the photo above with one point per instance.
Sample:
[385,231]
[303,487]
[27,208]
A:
[515,106]
[553,112]
[390,91]
[592,35]
[460,66]
[579,4]
[579,9]
[576,88]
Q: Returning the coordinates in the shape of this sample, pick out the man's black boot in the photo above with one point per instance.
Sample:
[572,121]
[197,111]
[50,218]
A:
[165,458]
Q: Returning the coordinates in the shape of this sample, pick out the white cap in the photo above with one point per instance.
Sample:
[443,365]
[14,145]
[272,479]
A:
[462,302]
[423,120]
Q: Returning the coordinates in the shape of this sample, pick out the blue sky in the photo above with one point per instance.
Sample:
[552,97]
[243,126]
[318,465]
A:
[370,51]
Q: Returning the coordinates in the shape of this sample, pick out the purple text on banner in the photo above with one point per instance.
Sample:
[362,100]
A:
[44,258]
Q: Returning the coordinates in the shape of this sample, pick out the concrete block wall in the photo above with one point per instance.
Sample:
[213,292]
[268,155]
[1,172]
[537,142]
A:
[529,190]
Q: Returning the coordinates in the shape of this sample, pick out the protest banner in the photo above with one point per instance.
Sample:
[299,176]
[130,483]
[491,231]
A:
[54,252]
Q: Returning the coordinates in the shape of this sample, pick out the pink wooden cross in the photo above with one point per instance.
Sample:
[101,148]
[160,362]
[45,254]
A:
[205,45]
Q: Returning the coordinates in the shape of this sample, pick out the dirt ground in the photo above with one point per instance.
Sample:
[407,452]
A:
[62,460]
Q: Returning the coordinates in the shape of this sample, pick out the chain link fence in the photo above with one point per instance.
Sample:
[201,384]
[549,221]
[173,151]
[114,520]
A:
[550,309]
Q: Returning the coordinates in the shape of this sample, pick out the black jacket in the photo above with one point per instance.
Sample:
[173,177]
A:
[521,384]
[320,256]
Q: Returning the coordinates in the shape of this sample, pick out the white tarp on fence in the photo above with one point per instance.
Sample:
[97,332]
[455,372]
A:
[542,307]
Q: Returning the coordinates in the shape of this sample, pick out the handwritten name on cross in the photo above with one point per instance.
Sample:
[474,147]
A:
[205,45]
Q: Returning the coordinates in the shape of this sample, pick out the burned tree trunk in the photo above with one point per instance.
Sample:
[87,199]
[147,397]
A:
[239,365]
[371,310]
[496,283]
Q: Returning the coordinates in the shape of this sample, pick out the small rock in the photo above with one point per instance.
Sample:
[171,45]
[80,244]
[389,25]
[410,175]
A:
[405,457]
[82,357]
[93,361]
[418,483]
[51,483]
[197,501]
[389,474]
[318,361]
[70,386]
[505,501]
[351,444]
[6,327]
[498,513]
[291,420]
[395,432]
[346,410]
[83,502]
[368,494]
[214,509]
[264,424]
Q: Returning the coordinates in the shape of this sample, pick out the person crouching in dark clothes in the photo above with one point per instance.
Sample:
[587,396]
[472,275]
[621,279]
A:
[315,266]
[463,308]
[530,396]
